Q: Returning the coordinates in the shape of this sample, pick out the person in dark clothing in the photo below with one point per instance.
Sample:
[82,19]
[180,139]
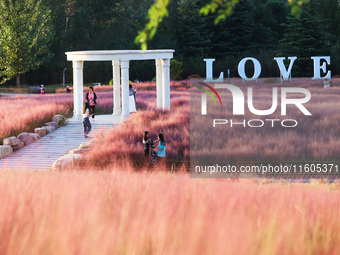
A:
[146,145]
[91,98]
[153,153]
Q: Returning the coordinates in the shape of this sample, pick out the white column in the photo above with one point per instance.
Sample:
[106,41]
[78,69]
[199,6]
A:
[166,83]
[124,65]
[117,109]
[159,91]
[74,88]
[78,66]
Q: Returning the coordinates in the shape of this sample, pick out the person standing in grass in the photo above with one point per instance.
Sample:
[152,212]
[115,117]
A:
[42,90]
[86,120]
[327,83]
[148,144]
[132,98]
[161,148]
[152,153]
[91,98]
[146,147]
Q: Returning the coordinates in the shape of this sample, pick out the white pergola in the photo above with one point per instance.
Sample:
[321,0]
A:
[120,63]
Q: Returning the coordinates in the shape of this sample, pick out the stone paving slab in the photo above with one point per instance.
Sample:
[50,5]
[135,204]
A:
[41,154]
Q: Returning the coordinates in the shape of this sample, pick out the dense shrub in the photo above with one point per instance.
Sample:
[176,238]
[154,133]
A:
[175,69]
[194,76]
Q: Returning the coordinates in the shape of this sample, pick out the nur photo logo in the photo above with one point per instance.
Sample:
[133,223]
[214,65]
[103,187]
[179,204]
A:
[282,97]
[204,96]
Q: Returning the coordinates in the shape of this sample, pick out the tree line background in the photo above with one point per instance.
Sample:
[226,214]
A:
[262,29]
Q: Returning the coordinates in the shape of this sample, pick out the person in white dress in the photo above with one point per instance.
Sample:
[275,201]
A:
[132,98]
[327,83]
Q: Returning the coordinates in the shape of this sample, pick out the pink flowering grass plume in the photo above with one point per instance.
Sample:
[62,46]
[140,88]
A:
[296,82]
[23,114]
[99,212]
[316,137]
[122,145]
[141,86]
[122,211]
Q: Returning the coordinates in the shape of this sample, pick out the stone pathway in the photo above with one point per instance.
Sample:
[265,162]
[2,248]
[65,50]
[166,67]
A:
[41,154]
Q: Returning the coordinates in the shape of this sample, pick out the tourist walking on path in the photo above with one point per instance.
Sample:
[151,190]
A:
[91,98]
[86,120]
[132,98]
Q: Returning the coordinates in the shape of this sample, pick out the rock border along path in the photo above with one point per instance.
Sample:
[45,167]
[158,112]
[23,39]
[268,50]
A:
[41,154]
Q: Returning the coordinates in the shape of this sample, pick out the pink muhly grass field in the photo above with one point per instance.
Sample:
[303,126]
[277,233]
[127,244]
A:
[23,114]
[139,213]
[128,212]
[295,82]
[316,137]
[141,86]
[122,145]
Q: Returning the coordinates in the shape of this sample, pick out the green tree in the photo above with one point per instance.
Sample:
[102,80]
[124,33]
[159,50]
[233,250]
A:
[25,37]
[221,8]
[304,37]
[193,32]
[235,35]
[329,11]
[129,18]
[156,13]
[175,69]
